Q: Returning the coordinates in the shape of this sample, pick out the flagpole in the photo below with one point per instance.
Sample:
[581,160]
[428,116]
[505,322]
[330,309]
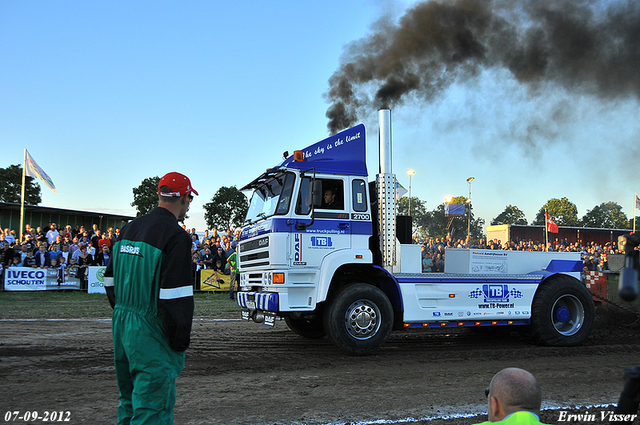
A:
[635,207]
[546,231]
[24,167]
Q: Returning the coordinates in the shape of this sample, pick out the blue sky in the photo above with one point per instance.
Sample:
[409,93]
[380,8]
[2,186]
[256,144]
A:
[106,94]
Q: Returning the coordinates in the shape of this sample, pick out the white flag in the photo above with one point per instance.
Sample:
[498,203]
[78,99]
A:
[32,169]
[400,190]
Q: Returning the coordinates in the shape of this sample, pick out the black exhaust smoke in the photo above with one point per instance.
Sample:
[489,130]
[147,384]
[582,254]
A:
[585,46]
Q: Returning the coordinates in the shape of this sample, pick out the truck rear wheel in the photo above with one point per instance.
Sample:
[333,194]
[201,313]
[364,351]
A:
[359,318]
[308,328]
[562,313]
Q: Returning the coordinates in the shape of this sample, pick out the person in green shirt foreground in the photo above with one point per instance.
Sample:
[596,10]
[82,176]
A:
[235,273]
[513,397]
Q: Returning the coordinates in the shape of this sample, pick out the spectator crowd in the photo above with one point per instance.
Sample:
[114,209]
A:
[594,256]
[213,251]
[72,250]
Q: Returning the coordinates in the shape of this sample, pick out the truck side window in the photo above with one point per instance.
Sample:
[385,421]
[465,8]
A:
[303,207]
[359,191]
[285,196]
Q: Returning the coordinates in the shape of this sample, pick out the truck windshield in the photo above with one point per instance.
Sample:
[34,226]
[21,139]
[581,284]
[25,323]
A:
[271,197]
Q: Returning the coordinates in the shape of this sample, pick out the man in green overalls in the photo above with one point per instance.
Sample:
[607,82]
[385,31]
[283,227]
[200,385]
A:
[149,284]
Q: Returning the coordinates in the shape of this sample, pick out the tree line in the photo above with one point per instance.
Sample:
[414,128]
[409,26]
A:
[228,207]
[563,212]
[226,210]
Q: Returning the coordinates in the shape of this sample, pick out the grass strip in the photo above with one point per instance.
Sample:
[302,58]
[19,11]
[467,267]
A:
[80,305]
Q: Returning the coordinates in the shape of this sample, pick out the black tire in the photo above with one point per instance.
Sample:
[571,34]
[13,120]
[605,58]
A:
[359,318]
[562,313]
[308,328]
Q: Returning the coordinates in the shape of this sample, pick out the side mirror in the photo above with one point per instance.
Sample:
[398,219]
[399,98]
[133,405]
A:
[316,193]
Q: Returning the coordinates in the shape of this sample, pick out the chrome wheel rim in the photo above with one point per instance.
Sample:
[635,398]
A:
[362,319]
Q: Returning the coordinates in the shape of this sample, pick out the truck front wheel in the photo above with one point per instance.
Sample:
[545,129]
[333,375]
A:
[562,313]
[308,327]
[359,318]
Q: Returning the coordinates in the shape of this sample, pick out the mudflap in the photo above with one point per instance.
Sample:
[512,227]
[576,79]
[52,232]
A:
[245,314]
[269,318]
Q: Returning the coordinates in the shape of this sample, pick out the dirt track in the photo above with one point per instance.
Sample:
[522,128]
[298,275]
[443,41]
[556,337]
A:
[244,373]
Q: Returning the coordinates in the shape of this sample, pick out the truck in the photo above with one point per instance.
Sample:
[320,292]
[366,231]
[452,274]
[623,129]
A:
[319,249]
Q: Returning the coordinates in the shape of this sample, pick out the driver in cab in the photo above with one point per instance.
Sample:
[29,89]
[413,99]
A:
[329,200]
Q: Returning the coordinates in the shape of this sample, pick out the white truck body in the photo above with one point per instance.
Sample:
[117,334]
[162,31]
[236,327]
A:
[339,270]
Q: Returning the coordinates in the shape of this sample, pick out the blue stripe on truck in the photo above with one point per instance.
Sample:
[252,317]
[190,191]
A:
[564,266]
[264,300]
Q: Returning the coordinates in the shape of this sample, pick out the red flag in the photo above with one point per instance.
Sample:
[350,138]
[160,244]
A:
[551,226]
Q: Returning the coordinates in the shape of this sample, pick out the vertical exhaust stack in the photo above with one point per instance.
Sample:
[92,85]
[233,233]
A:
[386,153]
[386,184]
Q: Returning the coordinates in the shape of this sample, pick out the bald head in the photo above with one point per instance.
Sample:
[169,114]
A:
[516,390]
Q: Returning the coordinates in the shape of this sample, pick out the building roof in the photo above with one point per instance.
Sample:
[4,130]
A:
[51,210]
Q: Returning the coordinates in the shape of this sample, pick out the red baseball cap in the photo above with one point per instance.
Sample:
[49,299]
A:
[178,184]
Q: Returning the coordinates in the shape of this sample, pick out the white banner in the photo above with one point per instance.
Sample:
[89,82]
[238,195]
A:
[30,279]
[25,279]
[95,280]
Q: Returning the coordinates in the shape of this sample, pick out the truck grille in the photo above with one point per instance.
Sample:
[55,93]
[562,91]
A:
[255,279]
[254,254]
[254,244]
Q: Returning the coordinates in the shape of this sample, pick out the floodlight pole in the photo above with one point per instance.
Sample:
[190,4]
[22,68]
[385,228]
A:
[411,173]
[469,180]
